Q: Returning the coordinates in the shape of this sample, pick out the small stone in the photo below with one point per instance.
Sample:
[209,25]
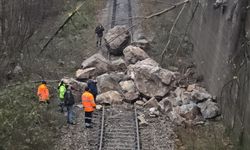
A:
[140,103]
[27,140]
[144,100]
[209,109]
[154,112]
[191,87]
[152,103]
[61,62]
[98,107]
[18,69]
[142,120]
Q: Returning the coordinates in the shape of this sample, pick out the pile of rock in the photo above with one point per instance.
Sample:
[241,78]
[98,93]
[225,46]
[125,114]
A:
[191,104]
[138,78]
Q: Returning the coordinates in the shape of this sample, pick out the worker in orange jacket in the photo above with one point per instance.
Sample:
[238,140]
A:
[89,106]
[43,93]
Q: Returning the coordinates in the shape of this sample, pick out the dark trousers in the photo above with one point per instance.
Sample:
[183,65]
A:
[44,102]
[70,114]
[98,40]
[88,118]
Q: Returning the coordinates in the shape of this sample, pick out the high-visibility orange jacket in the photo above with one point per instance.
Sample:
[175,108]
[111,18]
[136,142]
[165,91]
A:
[88,101]
[43,93]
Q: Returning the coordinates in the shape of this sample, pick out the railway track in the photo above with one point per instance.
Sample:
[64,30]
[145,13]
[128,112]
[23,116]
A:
[121,13]
[119,129]
[118,125]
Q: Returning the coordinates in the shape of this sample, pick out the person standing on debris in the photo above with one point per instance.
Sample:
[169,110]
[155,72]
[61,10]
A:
[69,101]
[43,92]
[93,88]
[61,90]
[89,106]
[99,34]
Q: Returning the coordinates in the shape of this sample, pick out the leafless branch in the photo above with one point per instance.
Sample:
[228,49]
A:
[171,31]
[61,27]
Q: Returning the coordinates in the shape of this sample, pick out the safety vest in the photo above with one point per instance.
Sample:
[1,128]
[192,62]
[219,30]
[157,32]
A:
[62,90]
[43,93]
[88,102]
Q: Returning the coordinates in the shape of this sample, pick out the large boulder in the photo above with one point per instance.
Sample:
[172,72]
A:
[148,61]
[190,111]
[129,90]
[119,76]
[118,65]
[209,109]
[85,73]
[199,94]
[117,39]
[110,97]
[142,43]
[151,80]
[106,82]
[101,64]
[132,54]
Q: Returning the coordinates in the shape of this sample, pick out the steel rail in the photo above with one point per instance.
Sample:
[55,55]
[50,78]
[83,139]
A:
[102,128]
[137,129]
[114,13]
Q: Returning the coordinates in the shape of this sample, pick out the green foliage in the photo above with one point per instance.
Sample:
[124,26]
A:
[26,124]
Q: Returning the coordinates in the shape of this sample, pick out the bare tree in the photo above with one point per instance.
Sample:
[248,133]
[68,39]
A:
[19,19]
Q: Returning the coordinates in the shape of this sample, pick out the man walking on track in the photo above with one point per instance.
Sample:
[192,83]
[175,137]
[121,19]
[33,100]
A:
[89,106]
[43,93]
[99,33]
[69,101]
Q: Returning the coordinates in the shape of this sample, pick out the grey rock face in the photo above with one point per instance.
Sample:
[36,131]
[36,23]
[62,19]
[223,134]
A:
[209,109]
[110,97]
[117,39]
[200,94]
[106,83]
[151,80]
[189,111]
[132,54]
[118,65]
[119,76]
[149,62]
[101,64]
[85,73]
[129,90]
